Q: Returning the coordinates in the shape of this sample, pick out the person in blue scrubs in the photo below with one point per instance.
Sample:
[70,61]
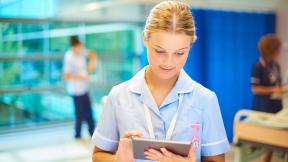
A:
[161,101]
[266,80]
[266,77]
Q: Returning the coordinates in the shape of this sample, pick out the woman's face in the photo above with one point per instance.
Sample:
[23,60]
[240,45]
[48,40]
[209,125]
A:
[274,56]
[78,48]
[167,53]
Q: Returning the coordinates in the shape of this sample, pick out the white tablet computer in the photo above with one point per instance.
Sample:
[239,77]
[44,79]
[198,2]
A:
[142,144]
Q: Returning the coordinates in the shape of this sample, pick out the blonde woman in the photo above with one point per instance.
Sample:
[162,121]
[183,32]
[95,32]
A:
[172,100]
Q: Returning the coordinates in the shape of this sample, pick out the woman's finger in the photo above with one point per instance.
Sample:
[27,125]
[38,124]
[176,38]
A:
[152,155]
[158,155]
[166,152]
[125,152]
[149,155]
[130,134]
[125,140]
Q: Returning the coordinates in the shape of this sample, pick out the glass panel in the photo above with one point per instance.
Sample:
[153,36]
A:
[31,84]
[62,25]
[59,45]
[28,108]
[10,74]
[9,29]
[27,28]
[9,48]
[33,46]
[55,72]
[118,54]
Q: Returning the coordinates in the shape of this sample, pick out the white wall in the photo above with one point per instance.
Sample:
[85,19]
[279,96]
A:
[282,32]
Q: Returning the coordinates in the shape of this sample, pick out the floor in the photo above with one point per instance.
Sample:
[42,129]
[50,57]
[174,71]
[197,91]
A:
[45,145]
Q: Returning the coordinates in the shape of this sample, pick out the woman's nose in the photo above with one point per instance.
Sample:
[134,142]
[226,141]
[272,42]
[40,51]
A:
[168,60]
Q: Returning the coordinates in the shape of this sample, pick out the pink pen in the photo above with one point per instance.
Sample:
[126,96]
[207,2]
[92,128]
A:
[195,139]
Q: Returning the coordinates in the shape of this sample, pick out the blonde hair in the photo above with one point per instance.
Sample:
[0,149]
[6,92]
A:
[170,16]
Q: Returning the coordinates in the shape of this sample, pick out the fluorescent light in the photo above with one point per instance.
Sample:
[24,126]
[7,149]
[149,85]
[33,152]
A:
[92,6]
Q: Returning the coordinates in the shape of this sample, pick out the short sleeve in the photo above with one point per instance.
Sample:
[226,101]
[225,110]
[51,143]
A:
[214,139]
[256,75]
[67,68]
[106,135]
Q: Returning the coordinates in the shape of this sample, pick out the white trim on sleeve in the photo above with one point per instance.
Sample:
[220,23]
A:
[104,138]
[214,143]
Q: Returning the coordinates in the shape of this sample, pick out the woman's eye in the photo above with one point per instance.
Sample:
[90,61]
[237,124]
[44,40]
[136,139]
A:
[180,53]
[159,51]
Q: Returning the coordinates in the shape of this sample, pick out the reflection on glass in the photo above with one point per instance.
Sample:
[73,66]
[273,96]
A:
[31,56]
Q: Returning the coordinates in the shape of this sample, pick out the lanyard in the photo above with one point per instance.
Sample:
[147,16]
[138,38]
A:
[172,124]
[273,72]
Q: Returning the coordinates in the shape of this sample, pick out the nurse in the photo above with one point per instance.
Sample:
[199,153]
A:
[161,101]
[266,77]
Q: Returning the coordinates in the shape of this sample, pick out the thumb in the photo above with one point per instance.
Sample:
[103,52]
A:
[192,154]
[130,134]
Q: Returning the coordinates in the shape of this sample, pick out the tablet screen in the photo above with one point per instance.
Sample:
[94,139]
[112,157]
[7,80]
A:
[141,144]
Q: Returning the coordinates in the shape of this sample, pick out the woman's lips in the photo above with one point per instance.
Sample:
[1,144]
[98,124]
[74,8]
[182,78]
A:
[166,69]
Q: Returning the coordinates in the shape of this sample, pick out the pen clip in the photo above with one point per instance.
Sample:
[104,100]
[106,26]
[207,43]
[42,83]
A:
[195,142]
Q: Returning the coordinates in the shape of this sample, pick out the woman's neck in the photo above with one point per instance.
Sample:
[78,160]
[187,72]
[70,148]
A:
[159,88]
[154,81]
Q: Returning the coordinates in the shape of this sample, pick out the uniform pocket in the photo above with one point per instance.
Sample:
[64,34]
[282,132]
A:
[188,116]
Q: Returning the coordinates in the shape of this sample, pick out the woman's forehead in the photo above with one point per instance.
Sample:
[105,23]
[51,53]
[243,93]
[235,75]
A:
[168,40]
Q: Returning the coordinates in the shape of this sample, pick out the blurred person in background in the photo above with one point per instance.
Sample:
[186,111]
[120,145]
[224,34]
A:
[76,74]
[266,78]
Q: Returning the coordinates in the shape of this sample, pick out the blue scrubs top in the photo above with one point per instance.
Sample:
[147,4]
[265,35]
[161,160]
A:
[266,75]
[124,111]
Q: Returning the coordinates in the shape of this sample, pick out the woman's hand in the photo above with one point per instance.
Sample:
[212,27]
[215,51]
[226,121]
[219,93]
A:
[91,66]
[125,149]
[166,156]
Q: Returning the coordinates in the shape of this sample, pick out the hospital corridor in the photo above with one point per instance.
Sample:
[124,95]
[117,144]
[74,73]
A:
[143,80]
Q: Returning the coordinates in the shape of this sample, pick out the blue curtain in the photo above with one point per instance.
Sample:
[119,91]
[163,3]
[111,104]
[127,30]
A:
[223,56]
